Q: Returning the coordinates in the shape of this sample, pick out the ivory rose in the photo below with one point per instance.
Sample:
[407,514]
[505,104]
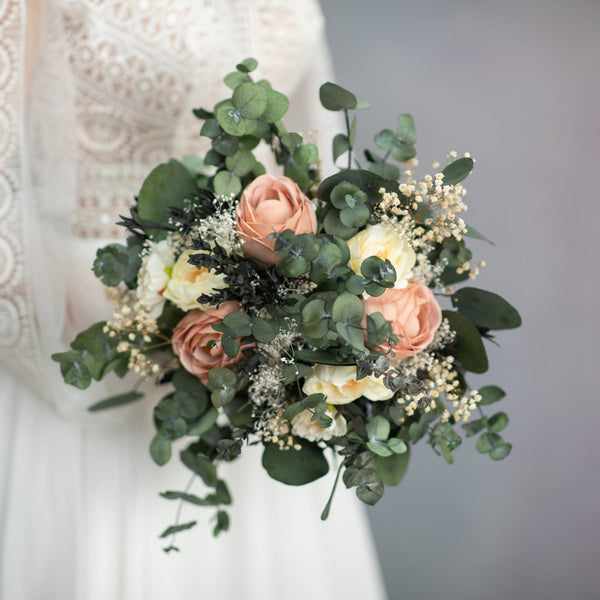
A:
[414,314]
[340,386]
[191,339]
[188,282]
[383,241]
[304,427]
[154,275]
[271,204]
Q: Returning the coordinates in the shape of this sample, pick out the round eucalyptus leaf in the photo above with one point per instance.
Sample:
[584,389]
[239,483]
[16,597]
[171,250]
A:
[277,106]
[295,467]
[250,100]
[227,183]
[160,450]
[391,469]
[333,97]
[485,309]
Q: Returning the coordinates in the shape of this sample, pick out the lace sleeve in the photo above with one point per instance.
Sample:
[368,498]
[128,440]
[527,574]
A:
[36,198]
[18,349]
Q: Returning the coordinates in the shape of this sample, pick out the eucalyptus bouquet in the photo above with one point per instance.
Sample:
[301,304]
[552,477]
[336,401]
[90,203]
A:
[300,314]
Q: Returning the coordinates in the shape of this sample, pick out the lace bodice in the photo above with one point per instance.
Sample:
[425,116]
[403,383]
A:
[140,67]
[133,71]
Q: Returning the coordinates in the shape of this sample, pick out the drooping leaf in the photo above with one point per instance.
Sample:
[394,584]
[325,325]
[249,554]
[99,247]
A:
[295,467]
[118,400]
[470,350]
[485,309]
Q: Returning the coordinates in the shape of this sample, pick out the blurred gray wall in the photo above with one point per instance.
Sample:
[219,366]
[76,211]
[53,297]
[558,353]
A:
[517,84]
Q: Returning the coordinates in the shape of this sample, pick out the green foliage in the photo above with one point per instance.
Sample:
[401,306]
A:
[490,394]
[118,400]
[391,469]
[295,467]
[168,184]
[160,450]
[93,354]
[116,263]
[485,309]
[470,350]
[222,382]
[458,170]
[493,444]
[335,98]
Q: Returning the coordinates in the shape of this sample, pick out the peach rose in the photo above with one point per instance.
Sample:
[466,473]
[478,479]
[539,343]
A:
[191,339]
[414,314]
[272,204]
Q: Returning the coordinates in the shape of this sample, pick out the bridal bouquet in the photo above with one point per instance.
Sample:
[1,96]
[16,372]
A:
[314,317]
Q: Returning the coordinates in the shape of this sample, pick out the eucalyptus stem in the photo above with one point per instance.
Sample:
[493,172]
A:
[325,512]
[349,141]
[179,509]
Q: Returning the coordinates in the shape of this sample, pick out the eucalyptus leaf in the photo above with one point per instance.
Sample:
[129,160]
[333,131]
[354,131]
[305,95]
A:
[295,467]
[177,528]
[490,394]
[341,145]
[333,97]
[470,350]
[485,309]
[458,170]
[391,470]
[227,183]
[160,450]
[118,400]
[250,100]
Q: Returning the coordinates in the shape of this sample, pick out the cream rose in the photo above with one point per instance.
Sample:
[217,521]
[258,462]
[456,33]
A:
[192,337]
[188,282]
[271,204]
[304,427]
[340,386]
[382,241]
[414,314]
[153,277]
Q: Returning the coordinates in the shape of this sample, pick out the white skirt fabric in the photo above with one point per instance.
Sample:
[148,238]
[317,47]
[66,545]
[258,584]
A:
[80,517]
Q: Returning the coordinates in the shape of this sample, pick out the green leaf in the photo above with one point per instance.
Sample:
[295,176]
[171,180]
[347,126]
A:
[485,309]
[474,427]
[397,446]
[211,129]
[264,331]
[224,144]
[73,369]
[241,163]
[277,106]
[118,400]
[239,411]
[306,154]
[347,308]
[406,129]
[490,394]
[458,170]
[250,100]
[369,486]
[190,498]
[333,97]
[446,452]
[222,382]
[341,145]
[168,184]
[239,322]
[473,233]
[233,80]
[501,451]
[379,448]
[160,450]
[227,183]
[497,422]
[177,528]
[200,465]
[470,350]
[112,264]
[314,319]
[247,65]
[295,467]
[488,442]
[232,121]
[355,217]
[391,469]
[378,428]
[204,423]
[294,372]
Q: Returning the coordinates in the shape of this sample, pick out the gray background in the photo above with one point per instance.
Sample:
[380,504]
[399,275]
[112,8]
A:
[516,83]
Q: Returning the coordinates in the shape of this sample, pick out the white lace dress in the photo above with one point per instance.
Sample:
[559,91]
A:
[79,508]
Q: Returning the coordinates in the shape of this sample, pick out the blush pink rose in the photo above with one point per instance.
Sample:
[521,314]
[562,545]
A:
[414,314]
[191,339]
[271,204]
